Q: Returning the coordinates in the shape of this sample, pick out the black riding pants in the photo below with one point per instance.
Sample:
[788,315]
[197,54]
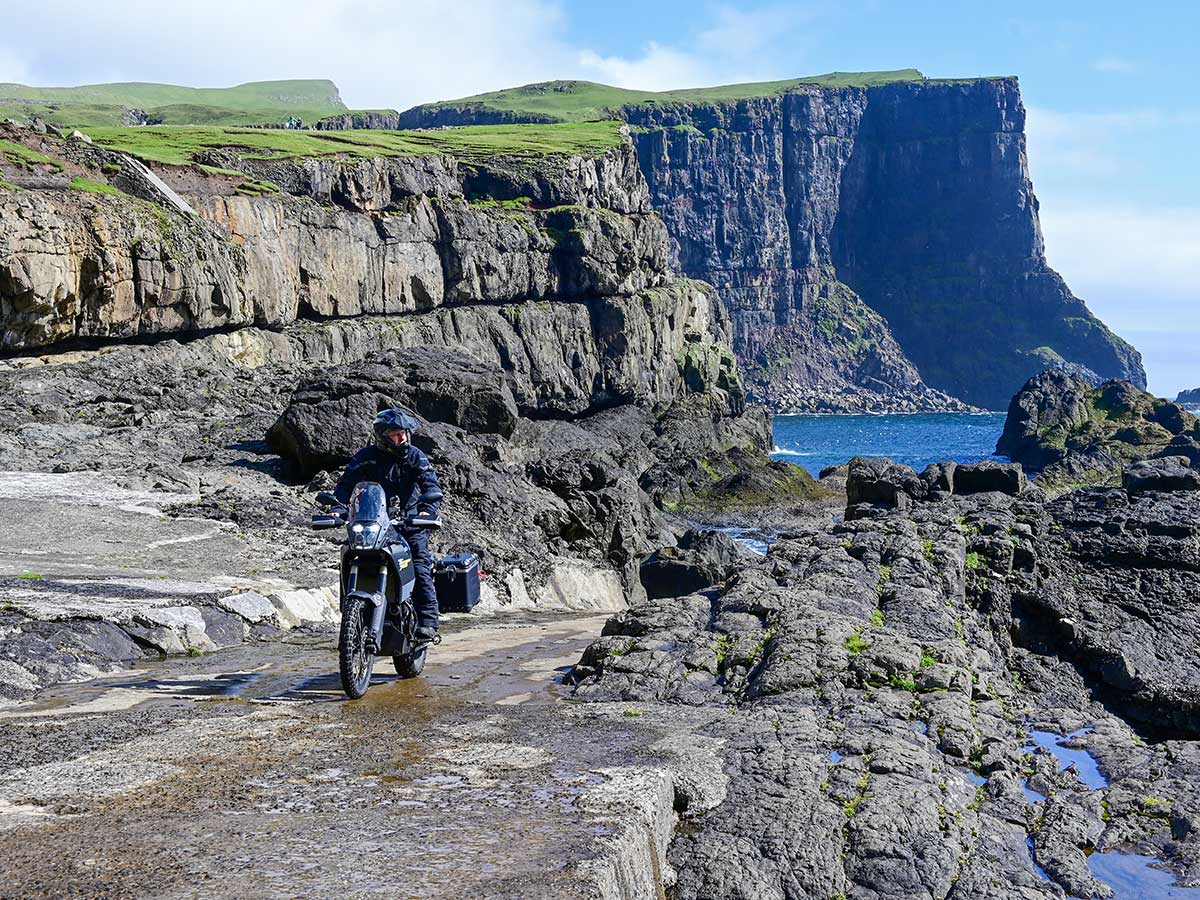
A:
[424,594]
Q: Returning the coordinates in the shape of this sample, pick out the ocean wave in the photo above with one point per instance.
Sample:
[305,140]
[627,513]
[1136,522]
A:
[780,451]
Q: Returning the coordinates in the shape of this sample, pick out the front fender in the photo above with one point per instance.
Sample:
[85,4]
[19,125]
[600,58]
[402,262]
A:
[374,598]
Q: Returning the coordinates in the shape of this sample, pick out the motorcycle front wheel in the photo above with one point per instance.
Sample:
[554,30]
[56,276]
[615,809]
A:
[354,659]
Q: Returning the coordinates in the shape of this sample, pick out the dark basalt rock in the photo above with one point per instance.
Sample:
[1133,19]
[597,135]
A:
[1079,434]
[699,560]
[878,480]
[865,667]
[330,414]
[1171,473]
[988,475]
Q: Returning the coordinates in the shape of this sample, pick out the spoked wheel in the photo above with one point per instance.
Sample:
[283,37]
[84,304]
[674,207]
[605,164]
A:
[409,665]
[354,659]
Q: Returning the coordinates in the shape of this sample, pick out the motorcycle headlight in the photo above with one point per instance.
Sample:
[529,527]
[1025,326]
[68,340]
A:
[364,533]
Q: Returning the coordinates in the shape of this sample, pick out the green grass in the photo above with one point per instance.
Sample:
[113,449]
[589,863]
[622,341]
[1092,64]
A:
[856,644]
[254,103]
[585,101]
[581,101]
[177,145]
[31,576]
[17,155]
[92,187]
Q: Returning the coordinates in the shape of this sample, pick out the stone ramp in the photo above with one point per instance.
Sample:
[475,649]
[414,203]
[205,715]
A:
[245,773]
[95,575]
[157,186]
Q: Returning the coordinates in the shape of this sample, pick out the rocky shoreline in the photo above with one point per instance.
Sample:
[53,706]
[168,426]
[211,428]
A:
[888,678]
[880,704]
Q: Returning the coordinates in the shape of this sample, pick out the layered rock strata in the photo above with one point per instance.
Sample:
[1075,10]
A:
[877,247]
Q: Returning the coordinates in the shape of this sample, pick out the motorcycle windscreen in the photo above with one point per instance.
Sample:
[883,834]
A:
[368,522]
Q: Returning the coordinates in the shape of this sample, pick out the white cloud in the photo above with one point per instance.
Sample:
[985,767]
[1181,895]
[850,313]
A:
[658,68]
[1151,254]
[13,67]
[1139,271]
[380,53]
[1084,144]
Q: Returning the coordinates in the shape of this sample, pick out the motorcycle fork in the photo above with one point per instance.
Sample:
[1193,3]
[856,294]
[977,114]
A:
[379,612]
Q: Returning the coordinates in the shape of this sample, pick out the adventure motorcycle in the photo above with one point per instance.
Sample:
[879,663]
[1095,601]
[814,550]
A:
[378,617]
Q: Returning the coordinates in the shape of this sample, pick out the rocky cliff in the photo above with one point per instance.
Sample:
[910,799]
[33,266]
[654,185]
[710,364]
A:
[1189,398]
[574,387]
[870,243]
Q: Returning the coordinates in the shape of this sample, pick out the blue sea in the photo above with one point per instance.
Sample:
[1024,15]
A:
[815,442]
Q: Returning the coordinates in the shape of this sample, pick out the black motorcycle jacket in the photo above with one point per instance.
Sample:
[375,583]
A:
[408,479]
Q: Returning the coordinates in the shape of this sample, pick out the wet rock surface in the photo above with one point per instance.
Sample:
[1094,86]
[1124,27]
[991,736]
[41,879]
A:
[247,774]
[887,678]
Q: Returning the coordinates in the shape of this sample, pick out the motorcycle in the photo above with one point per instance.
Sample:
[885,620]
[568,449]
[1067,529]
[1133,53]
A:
[377,578]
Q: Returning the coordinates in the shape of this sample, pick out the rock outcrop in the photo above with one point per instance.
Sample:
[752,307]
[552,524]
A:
[574,389]
[870,243]
[386,119]
[1189,398]
[883,681]
[1075,433]
[384,235]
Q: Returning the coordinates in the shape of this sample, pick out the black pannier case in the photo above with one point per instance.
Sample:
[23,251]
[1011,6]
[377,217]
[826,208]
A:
[456,577]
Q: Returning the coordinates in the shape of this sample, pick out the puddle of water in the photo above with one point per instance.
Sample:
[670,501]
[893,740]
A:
[1031,795]
[1085,763]
[921,727]
[1041,873]
[1132,878]
[750,538]
[977,780]
[835,757]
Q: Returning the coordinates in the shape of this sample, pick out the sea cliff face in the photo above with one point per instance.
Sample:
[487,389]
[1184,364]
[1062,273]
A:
[871,235]
[870,243]
[537,286]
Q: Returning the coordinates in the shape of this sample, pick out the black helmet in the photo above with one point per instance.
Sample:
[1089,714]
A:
[390,420]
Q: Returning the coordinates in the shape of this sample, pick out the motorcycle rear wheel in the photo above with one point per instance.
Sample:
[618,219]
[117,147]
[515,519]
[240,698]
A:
[355,661]
[409,665]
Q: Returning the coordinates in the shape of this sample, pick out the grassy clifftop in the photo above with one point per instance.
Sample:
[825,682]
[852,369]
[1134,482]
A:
[581,101]
[93,105]
[177,145]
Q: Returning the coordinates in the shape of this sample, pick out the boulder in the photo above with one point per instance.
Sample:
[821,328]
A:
[1042,413]
[1169,473]
[700,559]
[882,482]
[1076,434]
[939,476]
[989,475]
[330,414]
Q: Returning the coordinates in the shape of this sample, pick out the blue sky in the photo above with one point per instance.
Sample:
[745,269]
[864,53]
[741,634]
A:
[1111,89]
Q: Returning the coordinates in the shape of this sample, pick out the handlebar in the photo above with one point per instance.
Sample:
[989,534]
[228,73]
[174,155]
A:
[337,517]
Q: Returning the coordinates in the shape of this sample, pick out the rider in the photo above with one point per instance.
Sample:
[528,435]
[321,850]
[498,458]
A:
[412,490]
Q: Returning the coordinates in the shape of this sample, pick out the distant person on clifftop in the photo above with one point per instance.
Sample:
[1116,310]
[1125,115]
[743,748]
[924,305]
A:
[412,490]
